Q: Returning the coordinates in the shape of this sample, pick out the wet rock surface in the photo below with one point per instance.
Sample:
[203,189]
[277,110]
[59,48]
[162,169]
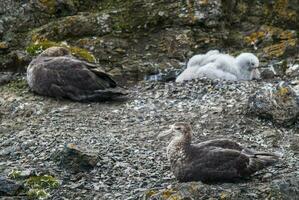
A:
[133,162]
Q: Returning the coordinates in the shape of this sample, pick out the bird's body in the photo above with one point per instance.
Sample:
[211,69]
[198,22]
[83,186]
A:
[63,76]
[213,160]
[215,65]
[202,59]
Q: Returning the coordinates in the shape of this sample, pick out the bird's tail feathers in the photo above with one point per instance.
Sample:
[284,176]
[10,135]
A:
[260,160]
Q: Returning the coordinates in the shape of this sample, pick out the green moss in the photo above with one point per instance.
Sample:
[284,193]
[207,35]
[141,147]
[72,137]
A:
[39,186]
[37,194]
[42,182]
[39,46]
[14,174]
[36,187]
[82,53]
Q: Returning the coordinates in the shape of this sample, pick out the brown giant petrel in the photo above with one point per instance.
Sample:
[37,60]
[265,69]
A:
[56,73]
[213,160]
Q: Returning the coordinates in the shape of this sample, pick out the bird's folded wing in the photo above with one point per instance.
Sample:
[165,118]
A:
[68,72]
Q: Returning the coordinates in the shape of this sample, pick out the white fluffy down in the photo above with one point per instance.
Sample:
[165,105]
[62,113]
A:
[216,65]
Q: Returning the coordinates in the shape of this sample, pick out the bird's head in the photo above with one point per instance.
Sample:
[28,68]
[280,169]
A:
[249,64]
[179,129]
[248,61]
[55,52]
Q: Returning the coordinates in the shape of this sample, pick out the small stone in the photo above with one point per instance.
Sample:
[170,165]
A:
[268,73]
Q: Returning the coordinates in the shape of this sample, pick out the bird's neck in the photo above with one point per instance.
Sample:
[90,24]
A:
[178,147]
[243,74]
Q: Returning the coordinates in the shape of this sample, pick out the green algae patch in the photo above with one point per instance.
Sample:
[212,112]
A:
[39,46]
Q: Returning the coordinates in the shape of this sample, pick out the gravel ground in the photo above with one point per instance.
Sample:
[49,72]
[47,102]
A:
[123,133]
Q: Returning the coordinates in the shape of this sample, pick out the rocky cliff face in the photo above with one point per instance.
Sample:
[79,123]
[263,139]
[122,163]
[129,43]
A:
[133,37]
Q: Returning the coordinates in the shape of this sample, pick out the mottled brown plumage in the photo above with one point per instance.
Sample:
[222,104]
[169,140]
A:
[58,74]
[213,160]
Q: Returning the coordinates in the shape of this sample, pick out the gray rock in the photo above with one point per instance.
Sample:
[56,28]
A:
[77,158]
[9,187]
[278,103]
[268,73]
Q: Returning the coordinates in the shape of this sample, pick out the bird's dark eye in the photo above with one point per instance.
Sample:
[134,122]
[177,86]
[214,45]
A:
[177,128]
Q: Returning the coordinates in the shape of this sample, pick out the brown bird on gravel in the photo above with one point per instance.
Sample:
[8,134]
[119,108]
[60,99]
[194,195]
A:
[56,73]
[213,160]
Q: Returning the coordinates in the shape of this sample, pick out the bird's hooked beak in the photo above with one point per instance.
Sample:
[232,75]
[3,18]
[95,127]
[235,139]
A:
[166,133]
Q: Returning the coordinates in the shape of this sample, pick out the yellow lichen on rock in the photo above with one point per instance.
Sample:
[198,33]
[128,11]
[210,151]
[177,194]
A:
[277,50]
[203,2]
[224,196]
[281,8]
[254,37]
[49,5]
[283,91]
[150,193]
[167,193]
[3,45]
[267,34]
